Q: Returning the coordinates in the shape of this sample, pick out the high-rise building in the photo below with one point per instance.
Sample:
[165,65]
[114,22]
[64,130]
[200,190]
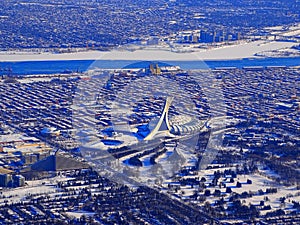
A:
[155,70]
[6,180]
[19,181]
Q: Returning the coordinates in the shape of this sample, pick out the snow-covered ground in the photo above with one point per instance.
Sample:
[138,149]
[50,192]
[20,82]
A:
[260,181]
[35,187]
[236,51]
[245,50]
[79,214]
[281,30]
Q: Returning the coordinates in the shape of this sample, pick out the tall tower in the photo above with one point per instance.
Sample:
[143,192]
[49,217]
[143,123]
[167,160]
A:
[163,123]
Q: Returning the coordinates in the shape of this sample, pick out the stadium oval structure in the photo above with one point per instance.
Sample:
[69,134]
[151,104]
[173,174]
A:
[113,105]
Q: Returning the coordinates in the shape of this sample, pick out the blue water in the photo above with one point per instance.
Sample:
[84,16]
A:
[67,66]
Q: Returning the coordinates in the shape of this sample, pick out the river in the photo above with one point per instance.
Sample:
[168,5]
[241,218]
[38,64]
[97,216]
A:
[52,67]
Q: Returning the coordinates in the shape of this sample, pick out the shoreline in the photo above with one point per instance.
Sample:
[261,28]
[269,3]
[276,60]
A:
[240,51]
[72,67]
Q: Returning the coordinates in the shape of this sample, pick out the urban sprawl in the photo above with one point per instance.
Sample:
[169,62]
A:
[234,133]
[254,176]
